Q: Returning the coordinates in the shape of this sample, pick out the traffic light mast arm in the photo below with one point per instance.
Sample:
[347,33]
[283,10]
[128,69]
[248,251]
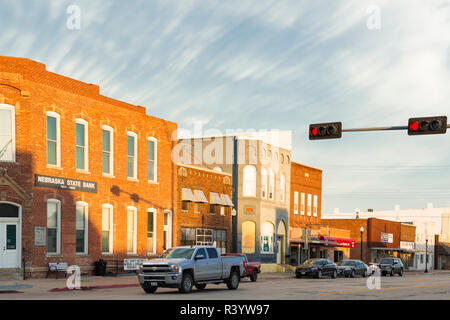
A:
[376,129]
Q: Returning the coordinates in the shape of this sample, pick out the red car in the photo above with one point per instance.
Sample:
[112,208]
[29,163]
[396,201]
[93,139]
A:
[251,268]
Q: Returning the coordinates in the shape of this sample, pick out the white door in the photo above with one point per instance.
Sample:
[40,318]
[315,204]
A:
[167,229]
[9,248]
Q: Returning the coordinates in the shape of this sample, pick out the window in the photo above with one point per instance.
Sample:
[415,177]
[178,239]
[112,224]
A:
[204,237]
[264,183]
[197,207]
[220,240]
[282,187]
[295,202]
[212,253]
[53,139]
[315,206]
[302,204]
[7,133]
[213,208]
[249,181]
[152,156]
[222,210]
[200,252]
[167,236]
[151,239]
[185,205]
[107,228]
[53,226]
[81,145]
[81,227]
[132,155]
[309,205]
[187,237]
[131,230]
[267,237]
[271,185]
[248,237]
[107,150]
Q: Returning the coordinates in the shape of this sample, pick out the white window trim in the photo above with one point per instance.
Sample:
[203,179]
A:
[13,130]
[111,227]
[302,203]
[168,227]
[85,205]
[295,202]
[58,138]
[134,209]
[111,151]
[315,205]
[135,175]
[86,144]
[309,205]
[154,229]
[58,227]
[155,161]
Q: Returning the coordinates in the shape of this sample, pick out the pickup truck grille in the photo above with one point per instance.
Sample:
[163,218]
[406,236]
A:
[155,268]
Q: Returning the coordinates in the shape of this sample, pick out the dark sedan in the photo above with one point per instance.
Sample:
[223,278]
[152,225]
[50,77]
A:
[352,268]
[316,268]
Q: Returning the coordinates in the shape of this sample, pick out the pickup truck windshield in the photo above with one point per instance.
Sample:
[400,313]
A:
[178,253]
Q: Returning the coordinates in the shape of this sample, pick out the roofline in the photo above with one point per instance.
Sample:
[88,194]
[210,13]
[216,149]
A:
[203,169]
[304,165]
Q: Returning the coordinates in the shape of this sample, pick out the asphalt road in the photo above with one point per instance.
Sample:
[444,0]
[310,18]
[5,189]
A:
[270,287]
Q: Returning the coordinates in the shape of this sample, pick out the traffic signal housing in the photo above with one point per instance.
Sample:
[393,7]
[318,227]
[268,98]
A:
[321,131]
[427,125]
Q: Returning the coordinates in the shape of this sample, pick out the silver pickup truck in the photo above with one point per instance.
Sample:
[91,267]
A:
[185,267]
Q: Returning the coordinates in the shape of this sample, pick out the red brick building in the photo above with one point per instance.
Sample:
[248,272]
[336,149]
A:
[82,176]
[204,208]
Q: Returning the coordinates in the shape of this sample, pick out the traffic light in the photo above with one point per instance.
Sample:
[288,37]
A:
[427,125]
[332,130]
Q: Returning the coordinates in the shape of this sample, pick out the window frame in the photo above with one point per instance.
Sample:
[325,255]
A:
[296,202]
[55,115]
[85,205]
[13,130]
[309,205]
[154,211]
[111,150]
[315,205]
[155,160]
[134,209]
[134,135]
[271,193]
[58,227]
[86,144]
[264,183]
[111,227]
[302,203]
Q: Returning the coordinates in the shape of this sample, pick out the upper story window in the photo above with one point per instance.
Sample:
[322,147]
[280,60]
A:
[7,133]
[315,206]
[53,139]
[152,159]
[302,204]
[264,183]
[295,202]
[107,150]
[282,188]
[309,204]
[249,181]
[271,185]
[132,155]
[82,144]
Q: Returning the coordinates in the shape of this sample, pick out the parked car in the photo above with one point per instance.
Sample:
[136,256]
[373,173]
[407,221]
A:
[185,267]
[251,268]
[316,268]
[391,266]
[352,268]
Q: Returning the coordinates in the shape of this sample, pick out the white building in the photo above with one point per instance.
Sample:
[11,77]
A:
[429,222]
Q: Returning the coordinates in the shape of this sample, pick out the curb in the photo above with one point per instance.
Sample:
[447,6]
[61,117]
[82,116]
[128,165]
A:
[112,286]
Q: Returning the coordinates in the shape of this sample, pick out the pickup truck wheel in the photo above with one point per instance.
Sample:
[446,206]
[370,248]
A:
[254,275]
[186,283]
[149,289]
[233,281]
[200,286]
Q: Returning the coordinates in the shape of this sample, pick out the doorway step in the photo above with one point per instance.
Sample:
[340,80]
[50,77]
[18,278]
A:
[10,274]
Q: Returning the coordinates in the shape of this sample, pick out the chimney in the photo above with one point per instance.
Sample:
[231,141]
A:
[357,214]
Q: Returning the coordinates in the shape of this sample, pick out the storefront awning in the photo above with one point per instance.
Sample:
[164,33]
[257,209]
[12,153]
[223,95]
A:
[337,242]
[226,200]
[214,198]
[187,195]
[200,196]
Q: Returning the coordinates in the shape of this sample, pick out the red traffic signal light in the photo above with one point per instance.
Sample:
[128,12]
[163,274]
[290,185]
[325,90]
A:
[427,125]
[320,131]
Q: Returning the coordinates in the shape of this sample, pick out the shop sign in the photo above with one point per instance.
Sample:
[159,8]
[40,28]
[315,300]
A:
[39,236]
[64,183]
[387,237]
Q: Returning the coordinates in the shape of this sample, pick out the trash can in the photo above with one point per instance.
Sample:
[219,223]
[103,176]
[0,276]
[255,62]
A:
[100,268]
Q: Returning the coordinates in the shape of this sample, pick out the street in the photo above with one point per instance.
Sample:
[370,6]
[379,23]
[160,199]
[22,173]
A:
[273,286]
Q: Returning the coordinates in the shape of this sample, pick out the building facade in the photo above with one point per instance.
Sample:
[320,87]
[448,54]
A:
[204,208]
[82,176]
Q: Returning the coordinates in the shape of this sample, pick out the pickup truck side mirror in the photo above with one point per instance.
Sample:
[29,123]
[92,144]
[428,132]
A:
[199,257]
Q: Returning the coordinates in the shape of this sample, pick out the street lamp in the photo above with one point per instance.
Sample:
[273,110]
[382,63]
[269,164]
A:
[426,255]
[362,231]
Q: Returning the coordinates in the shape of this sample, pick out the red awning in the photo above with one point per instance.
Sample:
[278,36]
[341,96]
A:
[337,242]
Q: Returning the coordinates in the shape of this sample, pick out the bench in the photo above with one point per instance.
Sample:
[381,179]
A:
[57,267]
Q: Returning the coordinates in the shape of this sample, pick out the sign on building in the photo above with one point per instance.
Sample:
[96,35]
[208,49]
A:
[387,237]
[39,236]
[64,183]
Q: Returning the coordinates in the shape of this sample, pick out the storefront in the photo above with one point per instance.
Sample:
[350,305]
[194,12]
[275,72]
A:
[334,248]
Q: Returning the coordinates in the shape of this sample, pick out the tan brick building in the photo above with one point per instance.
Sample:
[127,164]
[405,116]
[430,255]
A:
[204,208]
[82,176]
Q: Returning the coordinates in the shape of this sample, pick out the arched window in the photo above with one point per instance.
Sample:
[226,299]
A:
[282,188]
[267,232]
[271,185]
[7,133]
[248,237]
[264,183]
[249,181]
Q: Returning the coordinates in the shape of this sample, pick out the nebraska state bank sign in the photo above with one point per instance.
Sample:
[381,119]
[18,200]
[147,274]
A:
[64,183]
